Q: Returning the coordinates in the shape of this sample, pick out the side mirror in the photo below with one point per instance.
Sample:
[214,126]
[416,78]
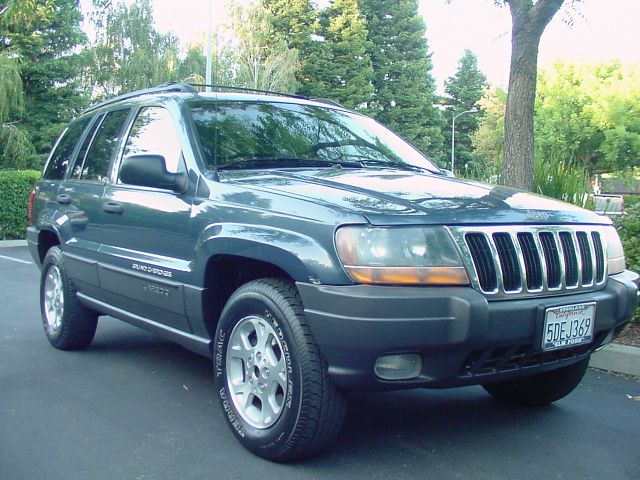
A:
[149,170]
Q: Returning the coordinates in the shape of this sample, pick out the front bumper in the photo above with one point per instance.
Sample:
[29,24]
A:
[463,339]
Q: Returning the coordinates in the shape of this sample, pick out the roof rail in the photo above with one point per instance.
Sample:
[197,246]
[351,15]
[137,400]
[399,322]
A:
[244,89]
[164,87]
[328,102]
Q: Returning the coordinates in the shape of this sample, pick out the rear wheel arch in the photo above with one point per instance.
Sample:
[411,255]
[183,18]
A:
[46,239]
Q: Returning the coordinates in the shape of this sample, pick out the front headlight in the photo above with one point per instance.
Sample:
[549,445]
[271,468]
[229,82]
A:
[616,262]
[400,255]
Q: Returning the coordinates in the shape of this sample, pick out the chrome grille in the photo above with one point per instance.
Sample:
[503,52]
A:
[532,260]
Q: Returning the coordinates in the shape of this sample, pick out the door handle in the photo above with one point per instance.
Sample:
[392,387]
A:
[64,199]
[112,207]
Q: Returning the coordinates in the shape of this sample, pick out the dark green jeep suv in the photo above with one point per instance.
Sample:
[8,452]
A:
[310,252]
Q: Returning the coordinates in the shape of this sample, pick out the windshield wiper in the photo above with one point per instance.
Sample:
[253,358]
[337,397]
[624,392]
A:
[284,162]
[395,165]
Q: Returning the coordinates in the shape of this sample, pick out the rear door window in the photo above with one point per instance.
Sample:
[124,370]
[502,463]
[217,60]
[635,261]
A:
[63,152]
[96,162]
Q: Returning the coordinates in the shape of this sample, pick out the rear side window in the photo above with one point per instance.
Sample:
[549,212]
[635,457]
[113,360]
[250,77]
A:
[96,163]
[61,156]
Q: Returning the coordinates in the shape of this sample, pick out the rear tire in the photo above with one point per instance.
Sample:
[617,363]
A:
[68,324]
[541,389]
[271,379]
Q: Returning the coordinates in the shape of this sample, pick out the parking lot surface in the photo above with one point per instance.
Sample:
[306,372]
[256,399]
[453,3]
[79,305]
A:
[133,406]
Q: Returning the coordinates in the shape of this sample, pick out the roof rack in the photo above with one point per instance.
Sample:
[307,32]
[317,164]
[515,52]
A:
[328,102]
[164,87]
[244,89]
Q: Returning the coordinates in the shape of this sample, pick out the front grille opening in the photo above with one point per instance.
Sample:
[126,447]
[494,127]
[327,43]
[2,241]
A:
[570,259]
[483,261]
[585,254]
[551,258]
[508,261]
[531,256]
[532,260]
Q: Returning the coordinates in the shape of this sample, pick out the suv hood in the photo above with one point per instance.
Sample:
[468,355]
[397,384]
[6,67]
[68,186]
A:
[387,197]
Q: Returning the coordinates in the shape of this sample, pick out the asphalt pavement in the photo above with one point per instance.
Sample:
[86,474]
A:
[133,406]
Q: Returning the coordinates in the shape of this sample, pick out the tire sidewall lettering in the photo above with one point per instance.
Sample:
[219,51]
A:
[277,434]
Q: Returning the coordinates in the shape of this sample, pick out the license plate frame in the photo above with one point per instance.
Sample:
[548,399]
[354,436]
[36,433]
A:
[568,326]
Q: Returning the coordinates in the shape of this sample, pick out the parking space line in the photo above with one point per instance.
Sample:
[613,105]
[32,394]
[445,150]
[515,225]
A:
[15,259]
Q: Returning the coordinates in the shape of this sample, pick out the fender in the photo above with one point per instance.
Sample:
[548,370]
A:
[303,258]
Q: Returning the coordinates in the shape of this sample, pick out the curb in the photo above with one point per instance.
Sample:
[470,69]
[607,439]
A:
[617,358]
[13,243]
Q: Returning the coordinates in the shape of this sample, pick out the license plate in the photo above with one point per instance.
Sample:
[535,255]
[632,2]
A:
[568,326]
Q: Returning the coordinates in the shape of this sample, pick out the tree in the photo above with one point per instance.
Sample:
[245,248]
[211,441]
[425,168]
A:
[46,34]
[129,53]
[293,22]
[488,140]
[464,90]
[15,146]
[529,19]
[260,59]
[589,115]
[341,64]
[404,95]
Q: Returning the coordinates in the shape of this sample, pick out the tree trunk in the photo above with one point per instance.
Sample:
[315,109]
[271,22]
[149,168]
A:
[529,21]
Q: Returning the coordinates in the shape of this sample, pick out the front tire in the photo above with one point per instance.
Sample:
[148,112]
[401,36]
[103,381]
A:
[271,379]
[68,324]
[541,389]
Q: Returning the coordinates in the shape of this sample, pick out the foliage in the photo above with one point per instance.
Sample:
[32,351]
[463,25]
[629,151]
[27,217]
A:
[47,35]
[404,95]
[15,147]
[590,114]
[464,90]
[488,140]
[339,65]
[628,227]
[193,66]
[294,22]
[15,187]
[129,53]
[259,59]
[561,179]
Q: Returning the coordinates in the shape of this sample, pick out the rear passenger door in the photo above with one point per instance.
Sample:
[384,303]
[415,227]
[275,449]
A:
[80,196]
[148,248]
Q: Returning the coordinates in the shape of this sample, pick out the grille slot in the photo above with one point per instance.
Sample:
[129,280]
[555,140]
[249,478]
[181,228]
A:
[483,260]
[528,260]
[552,259]
[508,261]
[532,263]
[570,259]
[597,246]
[585,255]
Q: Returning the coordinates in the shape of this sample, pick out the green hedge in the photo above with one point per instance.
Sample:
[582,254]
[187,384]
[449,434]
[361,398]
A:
[15,186]
[629,229]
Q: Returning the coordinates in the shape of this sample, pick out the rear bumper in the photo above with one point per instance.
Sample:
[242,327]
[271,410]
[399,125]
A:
[462,338]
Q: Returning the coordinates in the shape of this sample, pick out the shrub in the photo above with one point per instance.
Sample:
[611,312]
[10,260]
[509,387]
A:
[629,229]
[560,179]
[15,186]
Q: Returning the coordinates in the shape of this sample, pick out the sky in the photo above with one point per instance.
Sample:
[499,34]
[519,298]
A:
[602,30]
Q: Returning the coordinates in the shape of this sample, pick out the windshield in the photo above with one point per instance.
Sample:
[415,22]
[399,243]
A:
[254,135]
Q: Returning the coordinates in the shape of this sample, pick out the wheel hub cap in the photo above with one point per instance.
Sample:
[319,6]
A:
[256,372]
[53,300]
